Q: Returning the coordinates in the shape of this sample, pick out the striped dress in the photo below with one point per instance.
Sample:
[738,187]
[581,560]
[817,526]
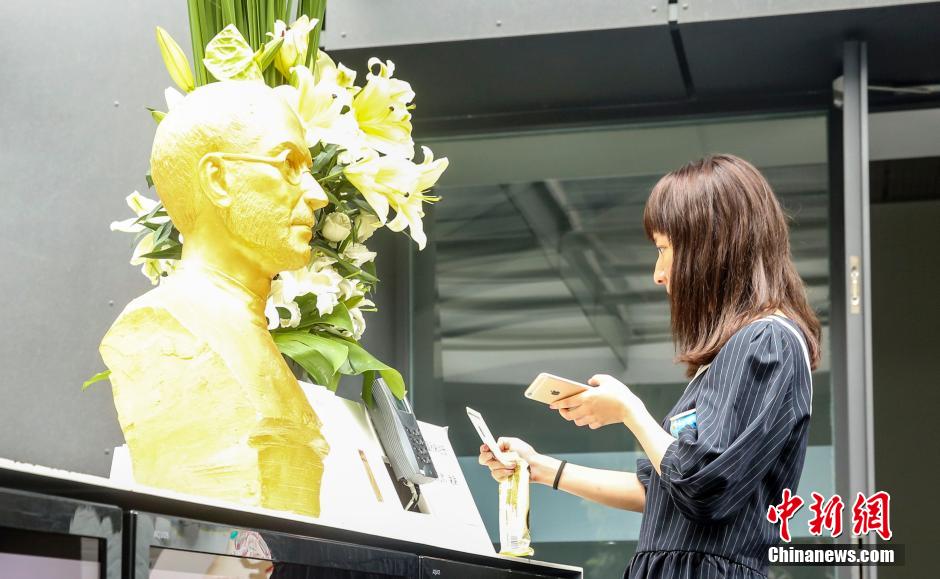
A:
[705,515]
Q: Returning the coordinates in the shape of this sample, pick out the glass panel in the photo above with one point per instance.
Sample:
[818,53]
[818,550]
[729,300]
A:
[541,264]
[29,554]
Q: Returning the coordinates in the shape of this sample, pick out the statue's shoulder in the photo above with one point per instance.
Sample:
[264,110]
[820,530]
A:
[148,325]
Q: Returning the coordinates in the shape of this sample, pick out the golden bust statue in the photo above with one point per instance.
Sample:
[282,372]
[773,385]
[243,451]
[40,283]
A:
[206,402]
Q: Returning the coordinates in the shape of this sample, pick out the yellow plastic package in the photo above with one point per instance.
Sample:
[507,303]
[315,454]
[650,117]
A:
[514,538]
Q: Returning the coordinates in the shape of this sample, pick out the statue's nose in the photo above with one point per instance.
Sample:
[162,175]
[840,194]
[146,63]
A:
[314,195]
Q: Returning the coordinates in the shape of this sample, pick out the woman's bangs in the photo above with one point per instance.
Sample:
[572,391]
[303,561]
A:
[656,216]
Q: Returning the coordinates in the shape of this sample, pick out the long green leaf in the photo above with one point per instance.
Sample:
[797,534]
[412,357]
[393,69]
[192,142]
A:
[100,376]
[174,252]
[362,361]
[228,12]
[316,9]
[334,351]
[367,379]
[196,24]
[311,361]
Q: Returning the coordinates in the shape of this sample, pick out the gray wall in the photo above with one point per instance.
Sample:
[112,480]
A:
[74,141]
[905,277]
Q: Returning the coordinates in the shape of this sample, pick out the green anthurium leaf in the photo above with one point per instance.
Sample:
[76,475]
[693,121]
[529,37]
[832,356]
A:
[100,376]
[334,352]
[229,57]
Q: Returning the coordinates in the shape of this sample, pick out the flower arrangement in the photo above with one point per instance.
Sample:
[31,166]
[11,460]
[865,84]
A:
[362,149]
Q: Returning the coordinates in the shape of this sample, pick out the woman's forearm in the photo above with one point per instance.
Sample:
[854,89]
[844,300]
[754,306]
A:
[651,435]
[621,490]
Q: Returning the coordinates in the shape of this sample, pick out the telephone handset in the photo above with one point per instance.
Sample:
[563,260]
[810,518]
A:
[398,430]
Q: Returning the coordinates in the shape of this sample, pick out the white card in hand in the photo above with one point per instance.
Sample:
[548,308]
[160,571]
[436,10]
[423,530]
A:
[486,436]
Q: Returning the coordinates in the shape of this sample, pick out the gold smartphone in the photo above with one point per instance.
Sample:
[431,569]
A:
[548,388]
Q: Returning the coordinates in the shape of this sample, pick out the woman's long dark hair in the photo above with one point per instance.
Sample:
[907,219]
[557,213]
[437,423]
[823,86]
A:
[731,256]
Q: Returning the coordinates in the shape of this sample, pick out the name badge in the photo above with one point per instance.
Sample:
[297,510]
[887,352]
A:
[682,420]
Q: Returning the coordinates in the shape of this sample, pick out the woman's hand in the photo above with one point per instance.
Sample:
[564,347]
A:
[542,468]
[609,402]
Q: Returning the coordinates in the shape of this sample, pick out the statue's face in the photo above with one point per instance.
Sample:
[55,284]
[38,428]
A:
[273,194]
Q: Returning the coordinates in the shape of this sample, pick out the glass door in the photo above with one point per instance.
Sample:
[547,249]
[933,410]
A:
[538,263]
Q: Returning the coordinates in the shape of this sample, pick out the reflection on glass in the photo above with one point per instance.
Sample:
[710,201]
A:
[30,555]
[178,564]
[173,564]
[551,271]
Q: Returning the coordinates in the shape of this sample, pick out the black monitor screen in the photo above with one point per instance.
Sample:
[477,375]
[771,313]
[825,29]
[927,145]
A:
[177,564]
[35,555]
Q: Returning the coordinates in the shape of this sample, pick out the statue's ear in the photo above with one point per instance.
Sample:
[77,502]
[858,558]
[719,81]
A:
[212,179]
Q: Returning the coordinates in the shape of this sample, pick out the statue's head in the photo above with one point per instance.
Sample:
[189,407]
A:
[230,165]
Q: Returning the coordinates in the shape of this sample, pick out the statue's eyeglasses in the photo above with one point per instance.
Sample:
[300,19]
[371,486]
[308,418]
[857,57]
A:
[290,167]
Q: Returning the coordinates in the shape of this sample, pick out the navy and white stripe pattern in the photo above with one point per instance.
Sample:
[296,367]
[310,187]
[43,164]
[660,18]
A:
[705,515]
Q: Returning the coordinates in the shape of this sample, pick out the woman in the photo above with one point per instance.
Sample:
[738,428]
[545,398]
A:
[742,325]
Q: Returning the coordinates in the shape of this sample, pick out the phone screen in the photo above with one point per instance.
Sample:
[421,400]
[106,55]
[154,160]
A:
[486,436]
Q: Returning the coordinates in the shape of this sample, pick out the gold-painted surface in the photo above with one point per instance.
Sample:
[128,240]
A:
[206,402]
[514,537]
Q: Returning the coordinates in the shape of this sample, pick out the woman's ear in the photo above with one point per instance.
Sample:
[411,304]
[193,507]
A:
[212,180]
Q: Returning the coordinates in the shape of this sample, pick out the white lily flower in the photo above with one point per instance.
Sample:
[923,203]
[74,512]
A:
[381,109]
[321,262]
[323,283]
[328,71]
[271,313]
[173,97]
[141,206]
[347,289]
[430,170]
[389,182]
[383,181]
[293,51]
[153,269]
[358,321]
[320,108]
[410,211]
[283,292]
